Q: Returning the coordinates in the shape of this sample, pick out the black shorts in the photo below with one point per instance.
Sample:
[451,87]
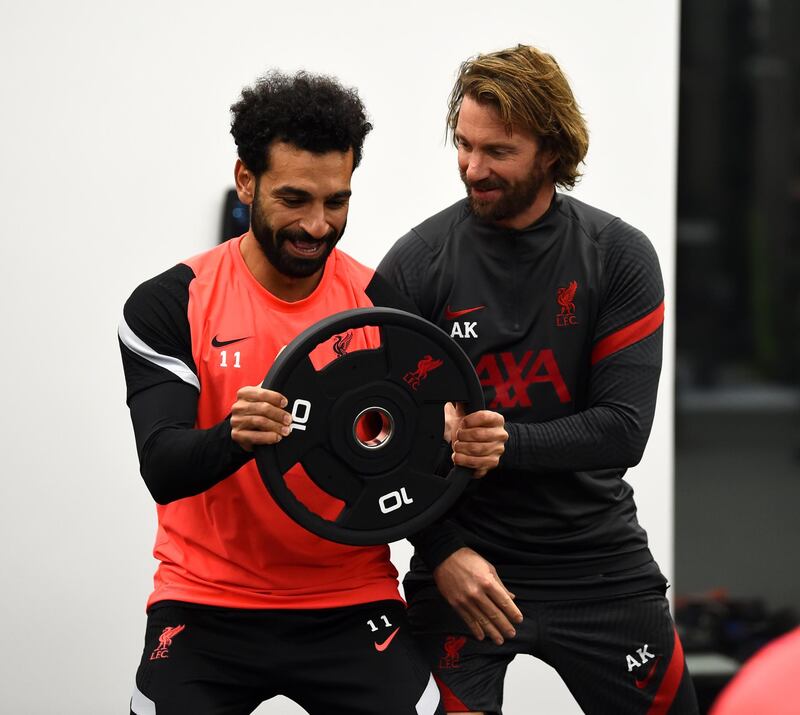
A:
[617,656]
[213,661]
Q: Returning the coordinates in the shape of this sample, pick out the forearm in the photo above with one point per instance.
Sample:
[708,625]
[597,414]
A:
[611,432]
[176,460]
[599,438]
[436,542]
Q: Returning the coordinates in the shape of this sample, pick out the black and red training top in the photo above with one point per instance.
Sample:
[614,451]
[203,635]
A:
[563,322]
[190,338]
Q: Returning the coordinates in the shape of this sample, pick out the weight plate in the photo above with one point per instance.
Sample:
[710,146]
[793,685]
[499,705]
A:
[368,427]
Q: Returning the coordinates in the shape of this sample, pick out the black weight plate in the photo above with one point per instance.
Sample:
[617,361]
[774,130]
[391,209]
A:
[391,491]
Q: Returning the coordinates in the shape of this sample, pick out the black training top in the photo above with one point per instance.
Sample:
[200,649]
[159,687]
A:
[563,322]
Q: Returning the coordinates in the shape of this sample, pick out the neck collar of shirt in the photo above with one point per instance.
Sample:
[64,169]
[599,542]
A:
[532,239]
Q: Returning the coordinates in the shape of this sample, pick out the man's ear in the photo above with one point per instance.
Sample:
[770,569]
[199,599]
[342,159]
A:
[549,158]
[245,183]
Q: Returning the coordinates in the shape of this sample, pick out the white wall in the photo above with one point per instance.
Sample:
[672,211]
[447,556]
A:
[115,157]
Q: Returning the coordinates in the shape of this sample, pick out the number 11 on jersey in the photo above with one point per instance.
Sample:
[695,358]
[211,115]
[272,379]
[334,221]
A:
[223,358]
[374,628]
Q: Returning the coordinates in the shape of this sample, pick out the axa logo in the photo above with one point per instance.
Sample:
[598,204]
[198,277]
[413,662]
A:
[511,376]
[341,343]
[464,329]
[566,299]
[640,663]
[165,641]
[452,652]
[426,365]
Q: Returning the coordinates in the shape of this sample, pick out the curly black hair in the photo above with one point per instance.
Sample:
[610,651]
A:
[312,112]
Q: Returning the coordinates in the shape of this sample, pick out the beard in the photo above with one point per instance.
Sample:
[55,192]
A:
[274,245]
[516,196]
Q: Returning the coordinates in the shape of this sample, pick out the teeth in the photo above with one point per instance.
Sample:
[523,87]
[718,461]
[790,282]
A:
[305,246]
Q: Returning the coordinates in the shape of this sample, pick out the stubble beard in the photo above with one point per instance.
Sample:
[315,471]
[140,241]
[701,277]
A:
[516,197]
[273,245]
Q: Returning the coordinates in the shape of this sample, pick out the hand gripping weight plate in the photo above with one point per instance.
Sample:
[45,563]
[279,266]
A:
[368,427]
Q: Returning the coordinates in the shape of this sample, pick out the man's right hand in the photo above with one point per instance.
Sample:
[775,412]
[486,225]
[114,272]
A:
[472,587]
[258,417]
[478,439]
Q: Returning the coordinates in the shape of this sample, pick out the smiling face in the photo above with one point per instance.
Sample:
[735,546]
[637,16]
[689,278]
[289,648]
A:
[506,175]
[298,213]
[300,207]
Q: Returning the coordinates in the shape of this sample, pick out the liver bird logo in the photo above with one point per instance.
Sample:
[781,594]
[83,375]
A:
[341,343]
[566,298]
[165,639]
[453,645]
[452,651]
[424,366]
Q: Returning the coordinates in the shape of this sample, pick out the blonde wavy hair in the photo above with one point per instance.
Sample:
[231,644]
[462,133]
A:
[528,89]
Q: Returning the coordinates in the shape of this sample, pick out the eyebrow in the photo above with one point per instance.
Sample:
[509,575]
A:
[495,145]
[302,194]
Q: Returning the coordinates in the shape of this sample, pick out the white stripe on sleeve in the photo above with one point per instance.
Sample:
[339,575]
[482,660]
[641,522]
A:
[136,345]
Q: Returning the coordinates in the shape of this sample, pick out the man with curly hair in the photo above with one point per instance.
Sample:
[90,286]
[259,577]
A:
[247,604]
[560,307]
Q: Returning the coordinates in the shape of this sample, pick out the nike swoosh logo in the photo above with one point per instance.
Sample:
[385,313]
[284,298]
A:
[641,684]
[222,343]
[453,314]
[380,647]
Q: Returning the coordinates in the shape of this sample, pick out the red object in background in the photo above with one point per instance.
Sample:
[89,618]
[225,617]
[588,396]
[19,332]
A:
[767,683]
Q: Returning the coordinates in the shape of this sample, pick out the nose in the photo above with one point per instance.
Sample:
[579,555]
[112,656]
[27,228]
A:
[475,168]
[314,222]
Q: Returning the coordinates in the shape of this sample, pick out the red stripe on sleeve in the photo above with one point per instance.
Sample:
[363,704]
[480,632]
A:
[629,335]
[662,701]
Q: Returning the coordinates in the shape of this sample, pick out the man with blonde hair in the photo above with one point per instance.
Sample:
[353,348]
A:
[560,307]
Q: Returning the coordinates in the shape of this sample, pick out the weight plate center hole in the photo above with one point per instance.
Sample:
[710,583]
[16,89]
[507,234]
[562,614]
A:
[373,428]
